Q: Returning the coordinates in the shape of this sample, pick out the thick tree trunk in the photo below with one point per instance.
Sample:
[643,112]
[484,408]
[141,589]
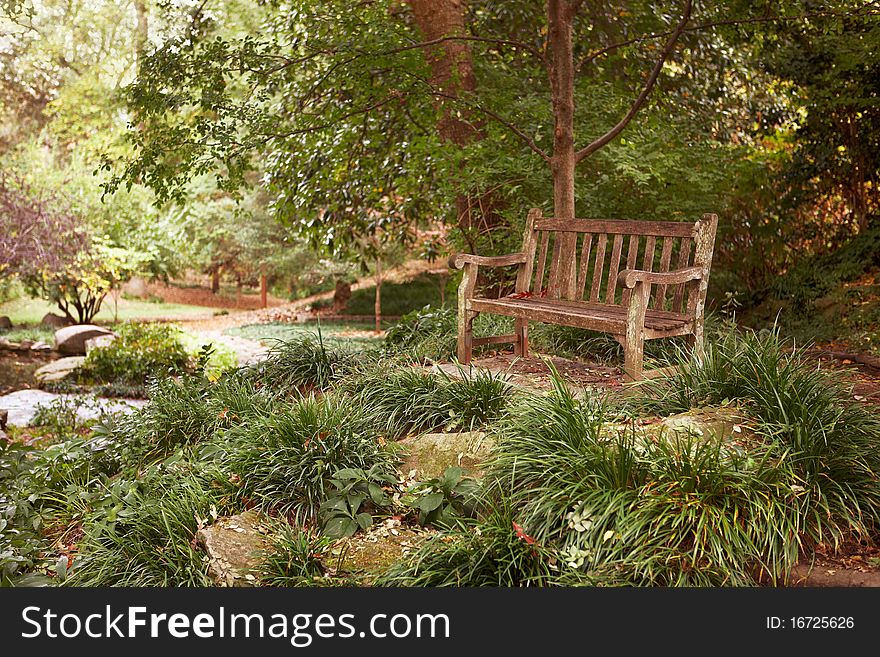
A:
[452,68]
[452,73]
[215,280]
[560,15]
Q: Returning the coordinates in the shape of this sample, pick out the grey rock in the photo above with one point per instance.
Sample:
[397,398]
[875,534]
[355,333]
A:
[25,345]
[72,339]
[5,322]
[8,345]
[234,546]
[51,320]
[22,404]
[431,453]
[58,369]
[41,346]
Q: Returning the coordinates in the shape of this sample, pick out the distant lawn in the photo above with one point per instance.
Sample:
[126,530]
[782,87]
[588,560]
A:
[31,311]
[397,298]
[335,333]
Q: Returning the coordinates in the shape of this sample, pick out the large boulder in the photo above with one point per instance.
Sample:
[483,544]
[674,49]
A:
[72,339]
[235,546]
[429,454]
[51,320]
[5,322]
[58,369]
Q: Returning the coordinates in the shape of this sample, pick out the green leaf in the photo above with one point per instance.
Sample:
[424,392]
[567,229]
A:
[430,502]
[378,495]
[349,474]
[365,520]
[340,527]
[451,477]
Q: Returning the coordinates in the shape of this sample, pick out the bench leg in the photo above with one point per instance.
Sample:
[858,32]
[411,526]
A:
[466,336]
[634,348]
[695,340]
[633,354]
[521,330]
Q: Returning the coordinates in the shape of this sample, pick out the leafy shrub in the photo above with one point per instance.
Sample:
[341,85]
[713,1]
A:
[807,415]
[814,277]
[355,489]
[305,364]
[443,500]
[682,511]
[189,410]
[490,552]
[142,351]
[145,536]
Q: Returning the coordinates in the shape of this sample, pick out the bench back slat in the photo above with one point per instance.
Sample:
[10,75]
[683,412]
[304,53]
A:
[613,269]
[684,257]
[631,257]
[542,260]
[585,265]
[681,244]
[665,258]
[598,267]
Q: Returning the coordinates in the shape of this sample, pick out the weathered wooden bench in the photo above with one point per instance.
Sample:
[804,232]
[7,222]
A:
[661,292]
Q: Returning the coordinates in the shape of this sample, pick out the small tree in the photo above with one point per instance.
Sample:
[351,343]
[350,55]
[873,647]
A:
[45,245]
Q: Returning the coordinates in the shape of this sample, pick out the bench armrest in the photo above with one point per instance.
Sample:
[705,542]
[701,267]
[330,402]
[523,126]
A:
[460,260]
[629,277]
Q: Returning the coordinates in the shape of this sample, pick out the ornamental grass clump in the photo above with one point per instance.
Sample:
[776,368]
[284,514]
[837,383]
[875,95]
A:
[145,534]
[491,552]
[305,364]
[808,418]
[190,410]
[411,400]
[285,460]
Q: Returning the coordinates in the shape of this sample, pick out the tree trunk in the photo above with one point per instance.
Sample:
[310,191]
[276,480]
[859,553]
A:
[142,33]
[560,15]
[452,72]
[264,288]
[378,306]
[452,68]
[215,280]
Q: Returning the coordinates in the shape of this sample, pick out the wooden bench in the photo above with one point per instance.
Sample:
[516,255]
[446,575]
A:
[660,293]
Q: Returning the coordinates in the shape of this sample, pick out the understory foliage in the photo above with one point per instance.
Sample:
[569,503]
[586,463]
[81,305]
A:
[576,491]
[604,501]
[141,351]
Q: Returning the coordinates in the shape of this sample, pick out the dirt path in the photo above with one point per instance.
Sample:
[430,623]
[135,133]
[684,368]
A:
[250,351]
[298,310]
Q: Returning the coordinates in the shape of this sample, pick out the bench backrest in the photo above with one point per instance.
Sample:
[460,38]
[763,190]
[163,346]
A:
[595,251]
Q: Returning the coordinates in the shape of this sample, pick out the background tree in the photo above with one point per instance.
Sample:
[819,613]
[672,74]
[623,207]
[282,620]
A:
[45,246]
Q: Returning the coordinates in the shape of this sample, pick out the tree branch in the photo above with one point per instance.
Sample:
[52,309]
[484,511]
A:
[507,124]
[646,91]
[865,11]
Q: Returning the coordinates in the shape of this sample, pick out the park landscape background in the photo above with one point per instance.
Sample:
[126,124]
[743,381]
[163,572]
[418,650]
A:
[160,162]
